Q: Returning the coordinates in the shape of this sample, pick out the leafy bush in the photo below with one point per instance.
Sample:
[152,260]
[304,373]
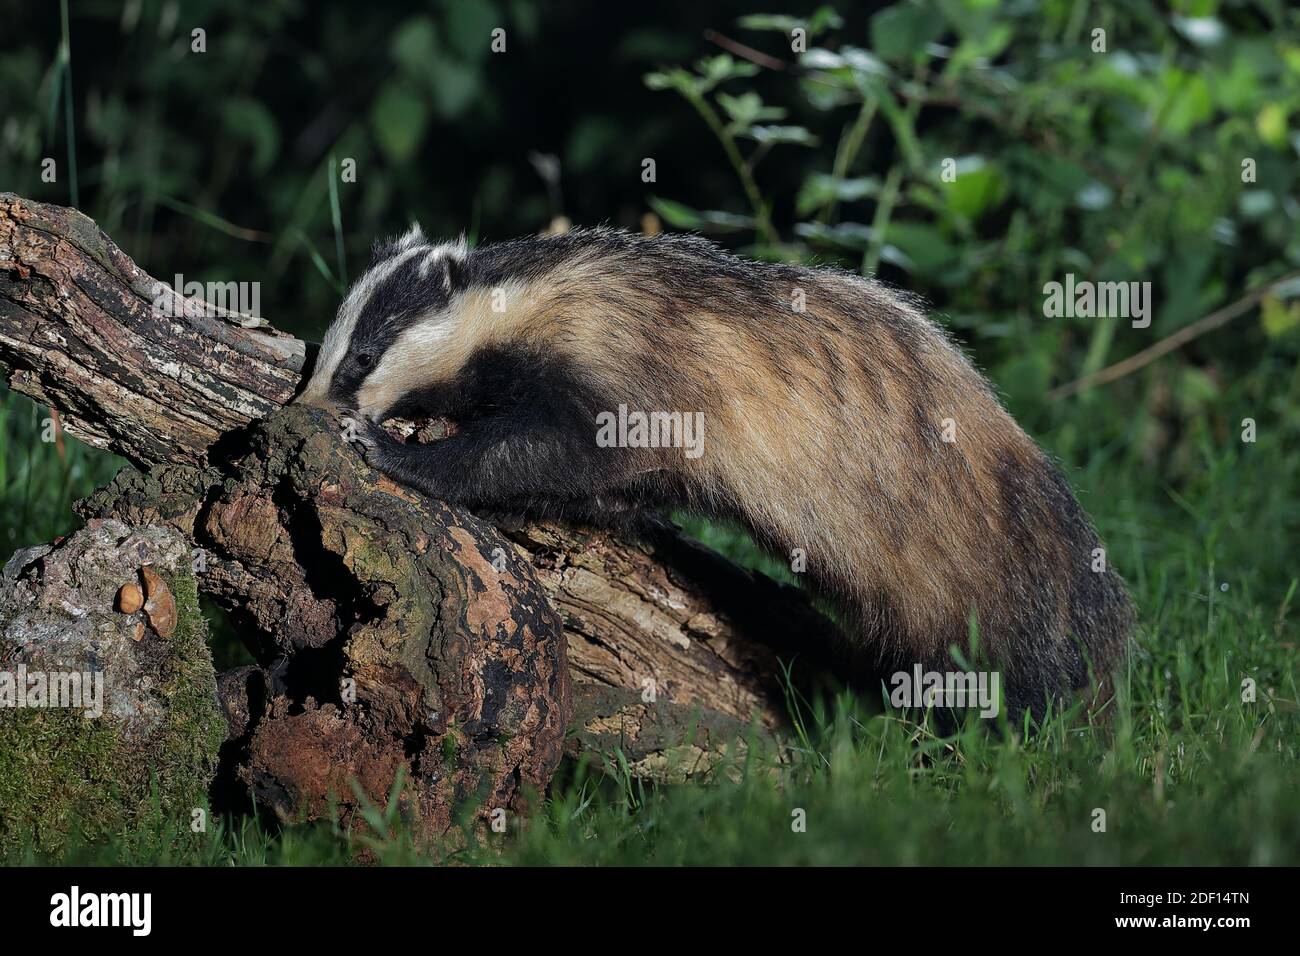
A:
[981,151]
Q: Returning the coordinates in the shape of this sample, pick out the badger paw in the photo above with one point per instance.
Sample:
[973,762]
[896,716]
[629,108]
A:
[366,436]
[387,454]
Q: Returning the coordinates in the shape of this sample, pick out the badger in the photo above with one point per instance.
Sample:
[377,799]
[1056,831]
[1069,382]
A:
[837,423]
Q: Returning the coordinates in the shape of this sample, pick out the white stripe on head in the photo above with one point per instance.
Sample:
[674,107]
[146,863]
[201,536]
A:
[429,259]
[399,371]
[435,347]
[340,332]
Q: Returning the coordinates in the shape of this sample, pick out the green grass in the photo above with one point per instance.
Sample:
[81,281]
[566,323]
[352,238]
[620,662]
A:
[39,480]
[1186,772]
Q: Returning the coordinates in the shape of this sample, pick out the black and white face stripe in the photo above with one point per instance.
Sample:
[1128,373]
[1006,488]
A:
[411,281]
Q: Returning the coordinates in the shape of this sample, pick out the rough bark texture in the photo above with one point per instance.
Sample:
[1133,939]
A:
[451,629]
[394,633]
[79,332]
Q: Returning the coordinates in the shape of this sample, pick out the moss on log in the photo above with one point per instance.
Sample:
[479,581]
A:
[126,715]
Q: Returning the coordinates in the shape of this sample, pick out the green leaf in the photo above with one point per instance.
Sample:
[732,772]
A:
[716,220]
[824,19]
[674,79]
[1291,57]
[819,58]
[781,134]
[747,109]
[1190,102]
[820,188]
[676,214]
[777,22]
[847,235]
[248,120]
[900,33]
[1271,124]
[979,186]
[470,26]
[718,69]
[924,245]
[983,48]
[982,27]
[684,217]
[414,45]
[398,117]
[455,87]
[1278,318]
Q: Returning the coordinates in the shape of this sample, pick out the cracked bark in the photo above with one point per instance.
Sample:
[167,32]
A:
[671,650]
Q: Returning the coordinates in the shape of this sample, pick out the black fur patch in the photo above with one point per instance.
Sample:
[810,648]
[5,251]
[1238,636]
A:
[525,442]
[412,293]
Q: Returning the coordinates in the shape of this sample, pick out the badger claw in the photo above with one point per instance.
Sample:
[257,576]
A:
[364,434]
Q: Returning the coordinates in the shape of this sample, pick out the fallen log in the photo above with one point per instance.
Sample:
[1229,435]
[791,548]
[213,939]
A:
[671,650]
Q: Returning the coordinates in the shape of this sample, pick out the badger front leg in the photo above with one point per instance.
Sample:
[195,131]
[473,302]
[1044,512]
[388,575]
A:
[499,464]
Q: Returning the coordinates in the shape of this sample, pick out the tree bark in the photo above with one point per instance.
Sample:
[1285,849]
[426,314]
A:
[665,639]
[79,332]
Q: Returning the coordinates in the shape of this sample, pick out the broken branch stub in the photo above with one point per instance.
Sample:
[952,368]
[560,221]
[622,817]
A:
[129,366]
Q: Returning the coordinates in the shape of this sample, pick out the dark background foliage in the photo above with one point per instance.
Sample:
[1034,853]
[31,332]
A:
[1123,165]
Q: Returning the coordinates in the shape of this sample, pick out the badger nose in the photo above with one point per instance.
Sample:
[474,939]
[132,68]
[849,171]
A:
[313,397]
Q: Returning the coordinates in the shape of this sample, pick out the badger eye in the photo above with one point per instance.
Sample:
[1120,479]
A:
[364,359]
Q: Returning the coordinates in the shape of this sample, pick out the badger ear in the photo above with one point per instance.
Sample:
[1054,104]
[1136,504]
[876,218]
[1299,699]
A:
[411,238]
[387,248]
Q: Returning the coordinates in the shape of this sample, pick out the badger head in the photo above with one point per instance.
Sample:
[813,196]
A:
[394,330]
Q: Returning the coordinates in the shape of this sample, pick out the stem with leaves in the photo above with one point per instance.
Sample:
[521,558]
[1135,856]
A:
[850,143]
[763,220]
[65,64]
[880,223]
